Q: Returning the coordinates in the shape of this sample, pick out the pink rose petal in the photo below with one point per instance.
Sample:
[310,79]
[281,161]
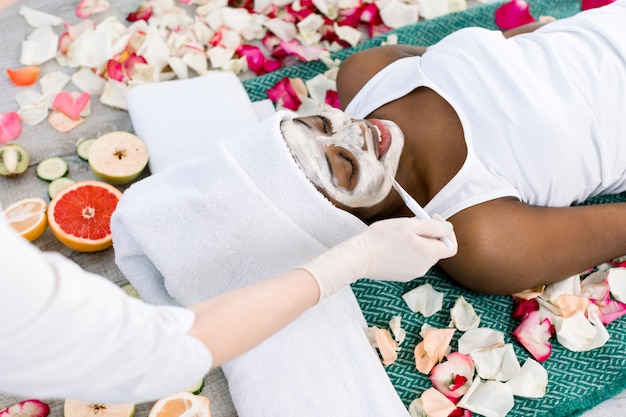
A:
[454,376]
[130,62]
[592,4]
[60,122]
[332,99]
[609,310]
[70,103]
[28,408]
[88,7]
[521,307]
[254,57]
[114,70]
[283,93]
[143,12]
[512,14]
[10,127]
[535,335]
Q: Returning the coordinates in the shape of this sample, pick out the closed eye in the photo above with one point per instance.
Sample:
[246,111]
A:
[327,126]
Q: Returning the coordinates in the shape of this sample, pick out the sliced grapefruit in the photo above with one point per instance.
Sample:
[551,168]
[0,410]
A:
[28,217]
[181,404]
[73,408]
[80,215]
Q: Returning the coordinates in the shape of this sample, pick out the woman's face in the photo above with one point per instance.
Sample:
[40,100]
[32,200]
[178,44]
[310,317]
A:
[351,160]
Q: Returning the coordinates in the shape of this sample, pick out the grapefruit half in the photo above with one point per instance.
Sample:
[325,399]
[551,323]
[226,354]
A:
[181,404]
[80,215]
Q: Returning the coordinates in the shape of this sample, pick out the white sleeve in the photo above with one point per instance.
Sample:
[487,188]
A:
[68,333]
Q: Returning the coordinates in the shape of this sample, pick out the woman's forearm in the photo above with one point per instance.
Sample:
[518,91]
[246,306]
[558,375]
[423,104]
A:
[232,323]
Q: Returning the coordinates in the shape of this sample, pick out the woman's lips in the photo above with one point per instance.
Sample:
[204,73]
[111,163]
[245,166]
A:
[382,142]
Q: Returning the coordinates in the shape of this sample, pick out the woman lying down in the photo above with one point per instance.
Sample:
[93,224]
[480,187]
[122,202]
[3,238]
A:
[498,134]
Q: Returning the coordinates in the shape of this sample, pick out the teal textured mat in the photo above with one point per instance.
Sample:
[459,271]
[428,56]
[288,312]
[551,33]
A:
[577,381]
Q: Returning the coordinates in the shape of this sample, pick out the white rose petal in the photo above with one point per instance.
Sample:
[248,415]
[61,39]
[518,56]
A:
[197,62]
[236,19]
[479,339]
[154,49]
[579,334]
[40,46]
[179,67]
[416,409]
[531,381]
[348,34]
[617,283]
[38,19]
[424,299]
[463,315]
[219,56]
[490,398]
[395,324]
[53,82]
[569,285]
[114,94]
[396,14]
[499,363]
[285,31]
[319,85]
[88,81]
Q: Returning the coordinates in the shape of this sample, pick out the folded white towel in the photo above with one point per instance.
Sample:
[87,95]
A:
[243,213]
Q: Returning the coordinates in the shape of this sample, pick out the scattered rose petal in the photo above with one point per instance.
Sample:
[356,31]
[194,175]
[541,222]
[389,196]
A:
[332,99]
[39,47]
[38,19]
[579,334]
[429,9]
[534,334]
[143,12]
[87,8]
[568,304]
[478,339]
[530,293]
[348,34]
[521,307]
[609,310]
[592,4]
[386,346]
[617,282]
[424,299]
[399,334]
[114,94]
[530,382]
[24,76]
[63,123]
[10,127]
[396,13]
[454,376]
[490,398]
[284,94]
[570,286]
[88,81]
[416,408]
[436,404]
[463,315]
[498,364]
[28,408]
[303,52]
[512,14]
[70,103]
[432,349]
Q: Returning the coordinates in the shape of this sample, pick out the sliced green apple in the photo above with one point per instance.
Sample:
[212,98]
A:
[118,157]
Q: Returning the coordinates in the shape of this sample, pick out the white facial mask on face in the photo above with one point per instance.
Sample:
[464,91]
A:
[309,147]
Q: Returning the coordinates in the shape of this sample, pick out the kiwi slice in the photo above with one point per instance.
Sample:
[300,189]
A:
[13,160]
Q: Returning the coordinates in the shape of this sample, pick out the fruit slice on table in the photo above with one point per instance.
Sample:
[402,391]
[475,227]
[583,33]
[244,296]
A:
[28,217]
[13,160]
[24,76]
[58,185]
[183,403]
[28,408]
[73,408]
[82,148]
[80,215]
[52,168]
[118,157]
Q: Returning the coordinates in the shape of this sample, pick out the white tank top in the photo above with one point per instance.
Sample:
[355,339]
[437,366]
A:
[543,114]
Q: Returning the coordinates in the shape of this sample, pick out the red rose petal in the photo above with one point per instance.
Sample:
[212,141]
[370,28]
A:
[512,14]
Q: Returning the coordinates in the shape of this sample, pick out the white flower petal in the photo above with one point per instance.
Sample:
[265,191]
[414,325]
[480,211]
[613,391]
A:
[219,56]
[531,381]
[617,283]
[429,9]
[319,85]
[38,19]
[569,285]
[395,324]
[154,49]
[236,19]
[490,398]
[348,34]
[397,13]
[54,82]
[179,67]
[416,409]
[424,299]
[33,114]
[579,334]
[463,315]
[197,62]
[114,94]
[40,46]
[88,81]
[479,339]
[285,31]
[498,364]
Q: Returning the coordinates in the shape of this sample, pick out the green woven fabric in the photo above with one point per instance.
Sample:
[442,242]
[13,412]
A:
[577,380]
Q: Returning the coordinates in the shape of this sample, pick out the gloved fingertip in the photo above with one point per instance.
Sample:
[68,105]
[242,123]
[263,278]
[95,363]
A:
[446,223]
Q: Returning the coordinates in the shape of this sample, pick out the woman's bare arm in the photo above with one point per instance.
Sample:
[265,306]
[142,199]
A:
[507,246]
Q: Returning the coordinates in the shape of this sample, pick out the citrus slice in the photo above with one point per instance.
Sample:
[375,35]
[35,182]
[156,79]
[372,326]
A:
[28,217]
[183,403]
[80,215]
[74,408]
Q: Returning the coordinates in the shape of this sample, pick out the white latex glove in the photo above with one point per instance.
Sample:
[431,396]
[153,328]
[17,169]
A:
[395,250]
